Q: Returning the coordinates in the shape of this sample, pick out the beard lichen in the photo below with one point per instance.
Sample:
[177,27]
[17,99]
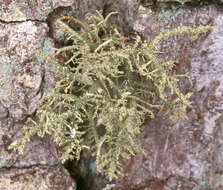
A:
[107,86]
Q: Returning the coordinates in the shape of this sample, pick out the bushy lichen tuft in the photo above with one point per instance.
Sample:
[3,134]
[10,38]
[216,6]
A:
[106,87]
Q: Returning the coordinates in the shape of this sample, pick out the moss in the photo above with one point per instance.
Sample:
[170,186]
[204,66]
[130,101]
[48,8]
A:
[108,84]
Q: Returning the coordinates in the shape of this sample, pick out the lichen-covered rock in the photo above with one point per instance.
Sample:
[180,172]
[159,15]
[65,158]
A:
[21,78]
[178,1]
[78,10]
[3,111]
[20,41]
[187,150]
[171,151]
[187,155]
[149,23]
[5,81]
[81,8]
[20,75]
[172,183]
[186,1]
[16,10]
[38,151]
[127,11]
[207,69]
[41,178]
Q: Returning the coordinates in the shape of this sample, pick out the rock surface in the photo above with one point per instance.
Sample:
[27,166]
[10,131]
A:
[41,178]
[20,76]
[38,151]
[183,156]
[23,31]
[21,79]
[16,10]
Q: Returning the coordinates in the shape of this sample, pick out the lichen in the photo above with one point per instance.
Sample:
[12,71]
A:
[107,85]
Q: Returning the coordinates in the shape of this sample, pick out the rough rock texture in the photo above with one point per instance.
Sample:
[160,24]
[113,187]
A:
[127,10]
[20,76]
[184,156]
[38,151]
[41,178]
[23,80]
[187,155]
[186,1]
[124,20]
[16,10]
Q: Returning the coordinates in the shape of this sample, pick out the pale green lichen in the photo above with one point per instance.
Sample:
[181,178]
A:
[107,85]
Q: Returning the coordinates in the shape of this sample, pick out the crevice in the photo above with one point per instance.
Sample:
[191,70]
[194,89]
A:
[157,5]
[19,22]
[29,167]
[83,182]
[51,19]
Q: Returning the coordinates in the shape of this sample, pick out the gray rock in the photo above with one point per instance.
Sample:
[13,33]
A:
[127,12]
[37,151]
[5,80]
[184,156]
[183,150]
[126,9]
[21,41]
[178,1]
[3,111]
[41,178]
[20,76]
[22,82]
[15,10]
[79,9]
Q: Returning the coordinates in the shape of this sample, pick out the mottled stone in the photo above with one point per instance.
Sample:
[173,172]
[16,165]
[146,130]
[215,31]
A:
[184,156]
[16,10]
[79,10]
[37,151]
[20,76]
[174,183]
[127,11]
[25,90]
[23,80]
[3,111]
[178,1]
[41,178]
[5,80]
[21,41]
[207,67]
[184,150]
[149,23]
[207,70]
[186,1]
[123,20]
